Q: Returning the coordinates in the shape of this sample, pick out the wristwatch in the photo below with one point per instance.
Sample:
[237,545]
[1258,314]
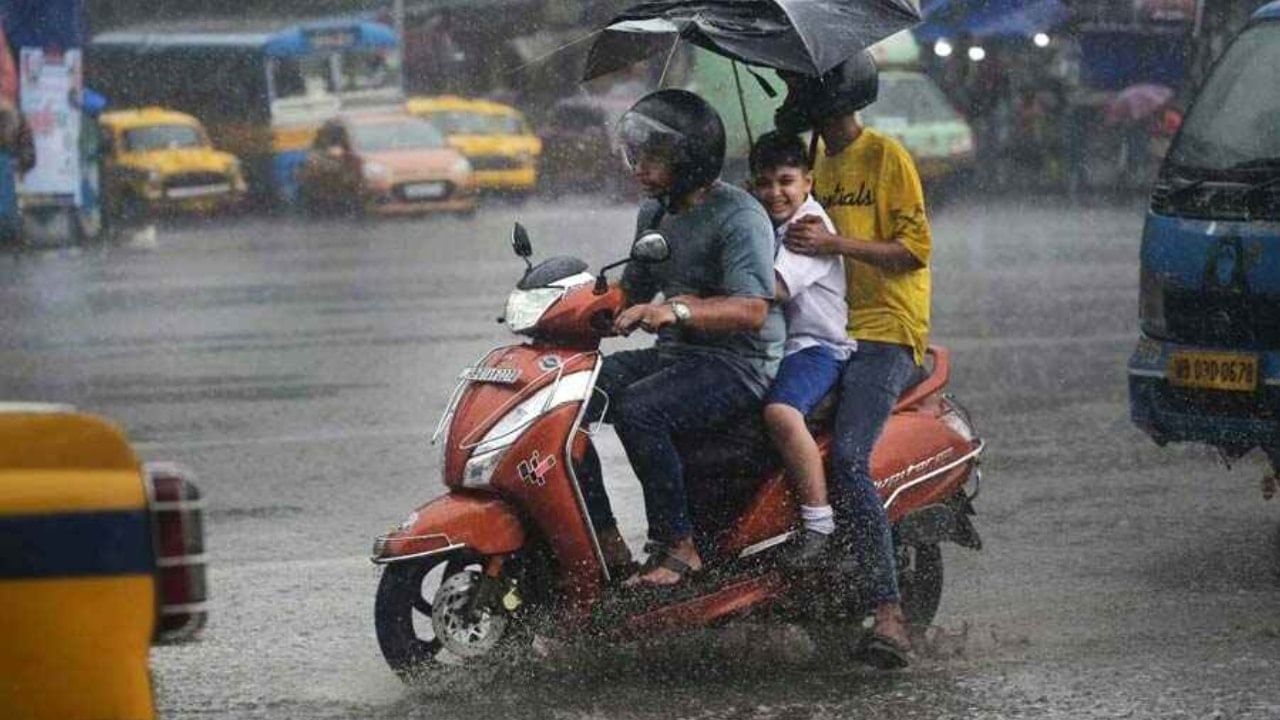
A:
[682,312]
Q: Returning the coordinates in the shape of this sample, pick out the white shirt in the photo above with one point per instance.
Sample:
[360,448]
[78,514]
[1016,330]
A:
[817,311]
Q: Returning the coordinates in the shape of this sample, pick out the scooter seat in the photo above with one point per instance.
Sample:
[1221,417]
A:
[742,449]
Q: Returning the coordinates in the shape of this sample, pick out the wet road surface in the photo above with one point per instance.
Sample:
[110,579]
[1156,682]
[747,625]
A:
[299,367]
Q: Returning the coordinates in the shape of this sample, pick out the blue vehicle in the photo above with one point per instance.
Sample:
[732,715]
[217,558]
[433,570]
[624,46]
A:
[1207,365]
[261,88]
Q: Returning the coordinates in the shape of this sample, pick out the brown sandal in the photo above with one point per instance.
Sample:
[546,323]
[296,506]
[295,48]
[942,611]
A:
[660,556]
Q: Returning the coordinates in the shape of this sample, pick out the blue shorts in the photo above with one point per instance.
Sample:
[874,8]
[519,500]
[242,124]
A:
[805,377]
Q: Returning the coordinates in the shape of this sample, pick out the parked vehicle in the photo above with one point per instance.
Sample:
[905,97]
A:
[101,555]
[496,139]
[262,88]
[913,110]
[1207,365]
[385,162]
[509,547]
[157,161]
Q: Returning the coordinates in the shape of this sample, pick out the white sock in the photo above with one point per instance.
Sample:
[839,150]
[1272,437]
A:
[819,519]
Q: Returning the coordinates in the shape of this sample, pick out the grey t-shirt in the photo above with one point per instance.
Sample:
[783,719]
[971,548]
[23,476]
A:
[722,247]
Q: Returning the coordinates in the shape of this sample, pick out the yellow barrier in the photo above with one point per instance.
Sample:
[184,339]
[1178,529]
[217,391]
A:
[77,584]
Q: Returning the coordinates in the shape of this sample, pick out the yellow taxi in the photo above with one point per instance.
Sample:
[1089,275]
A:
[159,161]
[101,555]
[496,138]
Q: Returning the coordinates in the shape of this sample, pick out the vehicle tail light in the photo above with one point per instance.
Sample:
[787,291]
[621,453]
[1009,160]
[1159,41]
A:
[177,513]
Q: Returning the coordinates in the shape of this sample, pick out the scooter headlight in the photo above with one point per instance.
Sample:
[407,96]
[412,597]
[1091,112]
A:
[485,457]
[525,307]
[479,469]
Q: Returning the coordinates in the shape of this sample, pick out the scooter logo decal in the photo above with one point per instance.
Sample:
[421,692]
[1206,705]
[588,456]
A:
[549,362]
[501,375]
[534,470]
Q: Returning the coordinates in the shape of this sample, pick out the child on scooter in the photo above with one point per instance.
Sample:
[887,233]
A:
[811,289]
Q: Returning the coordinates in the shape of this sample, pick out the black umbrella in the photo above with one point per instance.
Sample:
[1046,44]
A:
[803,36]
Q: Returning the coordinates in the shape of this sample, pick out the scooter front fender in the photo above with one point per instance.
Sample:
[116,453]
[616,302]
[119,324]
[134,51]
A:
[482,523]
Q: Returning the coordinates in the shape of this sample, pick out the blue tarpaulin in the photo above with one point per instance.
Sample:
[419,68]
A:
[44,23]
[989,18]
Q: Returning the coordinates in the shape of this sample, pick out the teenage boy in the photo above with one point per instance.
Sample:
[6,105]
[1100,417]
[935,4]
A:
[869,185]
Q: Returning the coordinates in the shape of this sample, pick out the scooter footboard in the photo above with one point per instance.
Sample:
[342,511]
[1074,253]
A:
[482,523]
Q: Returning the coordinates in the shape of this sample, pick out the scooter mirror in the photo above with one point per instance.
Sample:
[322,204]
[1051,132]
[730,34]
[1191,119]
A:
[650,247]
[520,241]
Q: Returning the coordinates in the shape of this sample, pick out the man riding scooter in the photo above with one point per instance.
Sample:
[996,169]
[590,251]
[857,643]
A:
[869,186]
[718,344]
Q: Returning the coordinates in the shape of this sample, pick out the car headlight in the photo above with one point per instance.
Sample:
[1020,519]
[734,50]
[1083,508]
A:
[1151,318]
[525,307]
[376,172]
[461,165]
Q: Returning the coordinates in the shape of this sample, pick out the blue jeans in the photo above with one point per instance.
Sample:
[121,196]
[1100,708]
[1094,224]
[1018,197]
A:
[654,395]
[873,379]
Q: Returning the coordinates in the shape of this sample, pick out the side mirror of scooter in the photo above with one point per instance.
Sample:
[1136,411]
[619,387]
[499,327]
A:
[521,245]
[650,247]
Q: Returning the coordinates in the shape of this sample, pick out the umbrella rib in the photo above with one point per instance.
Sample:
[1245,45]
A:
[548,54]
[672,53]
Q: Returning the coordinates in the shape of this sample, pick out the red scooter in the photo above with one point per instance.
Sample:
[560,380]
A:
[509,548]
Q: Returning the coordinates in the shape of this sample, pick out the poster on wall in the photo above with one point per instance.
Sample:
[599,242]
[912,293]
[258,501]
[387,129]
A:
[50,92]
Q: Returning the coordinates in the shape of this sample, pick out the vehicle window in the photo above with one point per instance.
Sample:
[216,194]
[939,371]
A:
[402,135]
[909,101]
[160,137]
[1236,118]
[365,71]
[308,77]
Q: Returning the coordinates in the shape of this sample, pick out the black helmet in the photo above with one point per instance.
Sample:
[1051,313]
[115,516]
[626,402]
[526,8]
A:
[842,90]
[681,126]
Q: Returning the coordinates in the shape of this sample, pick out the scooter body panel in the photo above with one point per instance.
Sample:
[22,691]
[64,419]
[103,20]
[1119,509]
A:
[481,522]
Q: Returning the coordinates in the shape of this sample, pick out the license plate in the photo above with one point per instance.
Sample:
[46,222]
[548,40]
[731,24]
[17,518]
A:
[1214,371]
[199,191]
[421,191]
[500,375]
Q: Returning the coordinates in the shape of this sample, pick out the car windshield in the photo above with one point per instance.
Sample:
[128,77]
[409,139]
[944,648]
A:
[162,137]
[909,100]
[407,134]
[455,122]
[1236,119]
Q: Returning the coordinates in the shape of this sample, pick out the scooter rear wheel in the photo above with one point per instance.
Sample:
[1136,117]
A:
[920,582]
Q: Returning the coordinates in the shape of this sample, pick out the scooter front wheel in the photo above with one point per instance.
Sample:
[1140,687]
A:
[424,615]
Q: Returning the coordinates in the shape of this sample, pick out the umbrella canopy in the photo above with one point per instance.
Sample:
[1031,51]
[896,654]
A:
[803,36]
[1136,102]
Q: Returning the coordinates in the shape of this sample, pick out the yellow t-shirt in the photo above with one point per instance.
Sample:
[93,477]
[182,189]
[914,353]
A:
[872,192]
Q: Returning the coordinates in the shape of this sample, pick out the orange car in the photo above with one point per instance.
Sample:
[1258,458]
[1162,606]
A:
[384,163]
